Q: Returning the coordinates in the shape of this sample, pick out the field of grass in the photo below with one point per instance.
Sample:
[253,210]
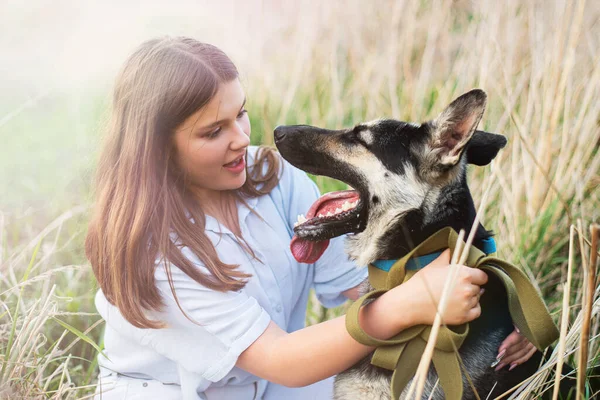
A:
[331,64]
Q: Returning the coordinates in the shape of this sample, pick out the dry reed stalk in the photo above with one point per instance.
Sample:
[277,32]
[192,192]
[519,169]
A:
[418,381]
[459,255]
[564,325]
[589,280]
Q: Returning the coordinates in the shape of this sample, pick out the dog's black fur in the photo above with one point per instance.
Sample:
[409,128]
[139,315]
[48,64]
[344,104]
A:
[412,182]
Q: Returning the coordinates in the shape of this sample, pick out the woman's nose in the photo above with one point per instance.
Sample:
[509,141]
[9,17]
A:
[241,139]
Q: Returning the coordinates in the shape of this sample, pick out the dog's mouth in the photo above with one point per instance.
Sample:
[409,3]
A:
[332,215]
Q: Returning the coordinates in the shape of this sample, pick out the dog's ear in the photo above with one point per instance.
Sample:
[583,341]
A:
[454,127]
[483,147]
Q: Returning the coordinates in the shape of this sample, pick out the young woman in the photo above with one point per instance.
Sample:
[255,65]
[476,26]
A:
[190,245]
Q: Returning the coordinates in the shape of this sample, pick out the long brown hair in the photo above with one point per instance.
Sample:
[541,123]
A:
[140,196]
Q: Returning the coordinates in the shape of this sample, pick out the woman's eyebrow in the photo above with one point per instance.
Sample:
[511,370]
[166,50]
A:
[213,124]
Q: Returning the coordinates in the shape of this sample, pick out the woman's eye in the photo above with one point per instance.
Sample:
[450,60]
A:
[216,132]
[213,134]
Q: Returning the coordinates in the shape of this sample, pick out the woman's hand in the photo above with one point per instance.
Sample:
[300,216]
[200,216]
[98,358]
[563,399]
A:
[427,287]
[514,350]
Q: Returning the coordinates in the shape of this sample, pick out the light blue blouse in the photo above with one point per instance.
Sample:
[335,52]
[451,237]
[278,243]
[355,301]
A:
[197,361]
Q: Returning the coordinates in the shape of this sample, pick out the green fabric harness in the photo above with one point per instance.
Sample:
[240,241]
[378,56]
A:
[403,352]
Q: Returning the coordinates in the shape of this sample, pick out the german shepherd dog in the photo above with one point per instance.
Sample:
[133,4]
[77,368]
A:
[410,181]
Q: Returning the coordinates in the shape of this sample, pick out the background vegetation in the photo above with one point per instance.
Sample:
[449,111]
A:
[331,64]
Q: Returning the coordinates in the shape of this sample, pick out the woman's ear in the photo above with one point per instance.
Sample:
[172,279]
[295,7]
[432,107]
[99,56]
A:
[483,147]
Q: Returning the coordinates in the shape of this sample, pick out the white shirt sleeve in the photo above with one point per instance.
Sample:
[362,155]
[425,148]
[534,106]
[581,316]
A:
[226,323]
[335,273]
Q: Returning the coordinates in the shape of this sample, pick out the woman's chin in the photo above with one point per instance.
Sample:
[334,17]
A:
[239,182]
[230,183]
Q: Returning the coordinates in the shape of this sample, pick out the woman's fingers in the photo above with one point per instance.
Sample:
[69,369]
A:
[530,352]
[474,312]
[478,277]
[474,300]
[473,291]
[514,350]
[518,357]
[463,301]
[514,338]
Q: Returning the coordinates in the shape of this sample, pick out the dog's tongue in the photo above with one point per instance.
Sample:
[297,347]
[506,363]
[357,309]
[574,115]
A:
[309,251]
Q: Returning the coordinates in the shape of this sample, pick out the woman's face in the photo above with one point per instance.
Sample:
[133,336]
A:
[211,144]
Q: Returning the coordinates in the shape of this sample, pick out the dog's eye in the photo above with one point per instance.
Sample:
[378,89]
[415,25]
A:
[354,138]
[361,141]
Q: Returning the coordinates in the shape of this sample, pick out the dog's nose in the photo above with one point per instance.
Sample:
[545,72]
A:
[279,133]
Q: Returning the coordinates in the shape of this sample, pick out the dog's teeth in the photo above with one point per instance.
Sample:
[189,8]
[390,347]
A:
[320,215]
[338,210]
[296,224]
[346,206]
[301,219]
[330,214]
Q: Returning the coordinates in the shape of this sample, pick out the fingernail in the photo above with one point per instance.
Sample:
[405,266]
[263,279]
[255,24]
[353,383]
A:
[499,367]
[517,329]
[512,366]
[498,359]
[482,291]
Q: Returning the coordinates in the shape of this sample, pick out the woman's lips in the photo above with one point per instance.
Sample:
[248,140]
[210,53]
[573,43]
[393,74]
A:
[236,166]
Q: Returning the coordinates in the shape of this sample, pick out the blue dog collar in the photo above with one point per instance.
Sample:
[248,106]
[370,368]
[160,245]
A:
[416,263]
[489,245]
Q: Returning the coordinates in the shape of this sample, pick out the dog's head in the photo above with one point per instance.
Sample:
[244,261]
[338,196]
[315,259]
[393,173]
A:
[394,167]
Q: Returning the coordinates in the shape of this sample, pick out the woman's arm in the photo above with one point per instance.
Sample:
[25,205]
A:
[323,350]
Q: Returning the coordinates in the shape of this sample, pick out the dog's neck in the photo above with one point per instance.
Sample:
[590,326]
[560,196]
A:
[455,209]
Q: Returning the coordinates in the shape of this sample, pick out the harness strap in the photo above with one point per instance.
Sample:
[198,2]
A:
[402,352]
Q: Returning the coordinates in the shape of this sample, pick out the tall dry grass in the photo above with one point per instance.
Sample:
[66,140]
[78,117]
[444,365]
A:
[334,64]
